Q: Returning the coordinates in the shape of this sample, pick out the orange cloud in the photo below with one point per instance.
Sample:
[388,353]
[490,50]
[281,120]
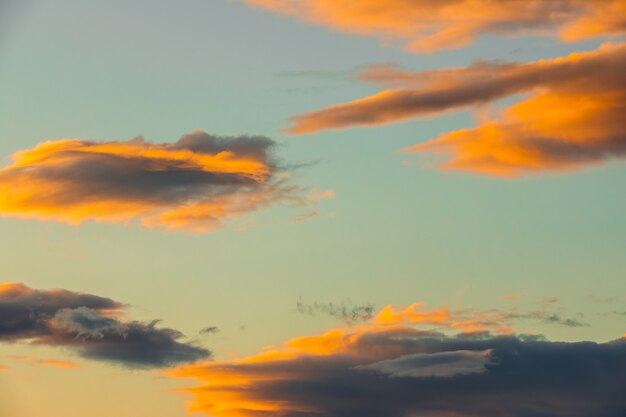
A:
[194,184]
[59,364]
[429,25]
[357,370]
[572,118]
[413,314]
[53,363]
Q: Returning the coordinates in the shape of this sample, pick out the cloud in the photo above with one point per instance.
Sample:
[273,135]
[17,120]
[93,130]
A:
[24,311]
[512,297]
[398,370]
[430,25]
[194,184]
[341,311]
[571,118]
[550,299]
[89,326]
[304,217]
[210,330]
[466,321]
[569,322]
[439,364]
[53,363]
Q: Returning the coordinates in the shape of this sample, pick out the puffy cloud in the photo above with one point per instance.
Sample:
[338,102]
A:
[24,311]
[396,369]
[429,25]
[90,326]
[193,184]
[572,118]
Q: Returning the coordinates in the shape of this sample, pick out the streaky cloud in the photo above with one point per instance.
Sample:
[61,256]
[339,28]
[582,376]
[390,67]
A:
[431,25]
[342,311]
[571,118]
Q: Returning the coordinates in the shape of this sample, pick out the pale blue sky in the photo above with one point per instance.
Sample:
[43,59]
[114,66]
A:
[394,234]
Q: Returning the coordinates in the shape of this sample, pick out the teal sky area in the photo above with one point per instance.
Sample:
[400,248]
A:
[396,232]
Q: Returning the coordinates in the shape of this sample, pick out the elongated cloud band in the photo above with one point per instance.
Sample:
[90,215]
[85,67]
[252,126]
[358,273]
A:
[572,118]
[390,368]
[194,184]
[89,325]
[429,25]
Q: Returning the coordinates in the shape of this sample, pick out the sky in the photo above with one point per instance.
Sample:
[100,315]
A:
[322,208]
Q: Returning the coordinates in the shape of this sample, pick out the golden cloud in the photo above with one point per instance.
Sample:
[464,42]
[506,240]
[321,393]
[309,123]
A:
[194,184]
[429,25]
[572,117]
[391,367]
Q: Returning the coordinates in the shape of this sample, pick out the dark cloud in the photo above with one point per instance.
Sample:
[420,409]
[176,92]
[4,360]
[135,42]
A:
[408,373]
[89,325]
[24,311]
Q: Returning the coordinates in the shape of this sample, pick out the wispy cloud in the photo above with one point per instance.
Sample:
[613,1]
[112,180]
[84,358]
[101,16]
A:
[304,217]
[194,184]
[516,296]
[90,326]
[429,25]
[547,300]
[53,363]
[210,330]
[342,311]
[544,132]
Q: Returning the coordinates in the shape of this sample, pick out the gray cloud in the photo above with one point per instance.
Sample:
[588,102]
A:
[210,330]
[547,317]
[439,364]
[24,311]
[341,311]
[88,325]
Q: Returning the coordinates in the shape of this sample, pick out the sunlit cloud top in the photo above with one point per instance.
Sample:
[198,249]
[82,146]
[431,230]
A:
[429,25]
[416,361]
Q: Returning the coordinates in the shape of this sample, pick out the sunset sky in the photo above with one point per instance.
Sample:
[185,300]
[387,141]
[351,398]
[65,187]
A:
[313,208]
